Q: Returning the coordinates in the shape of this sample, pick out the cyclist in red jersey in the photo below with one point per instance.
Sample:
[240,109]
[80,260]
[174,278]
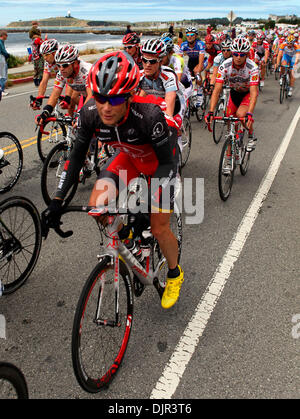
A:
[142,139]
[131,43]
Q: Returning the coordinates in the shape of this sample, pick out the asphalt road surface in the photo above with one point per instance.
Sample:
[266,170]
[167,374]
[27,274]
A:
[245,344]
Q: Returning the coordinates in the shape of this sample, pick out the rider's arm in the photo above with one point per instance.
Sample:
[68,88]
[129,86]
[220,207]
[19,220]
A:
[215,96]
[170,98]
[253,98]
[43,84]
[199,66]
[214,75]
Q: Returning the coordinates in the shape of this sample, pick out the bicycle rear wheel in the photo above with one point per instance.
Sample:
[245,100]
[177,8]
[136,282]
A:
[245,161]
[52,171]
[12,382]
[99,339]
[219,126]
[11,162]
[282,91]
[54,132]
[225,178]
[20,242]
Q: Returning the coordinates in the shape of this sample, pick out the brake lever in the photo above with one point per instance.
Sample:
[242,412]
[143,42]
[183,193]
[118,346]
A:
[63,234]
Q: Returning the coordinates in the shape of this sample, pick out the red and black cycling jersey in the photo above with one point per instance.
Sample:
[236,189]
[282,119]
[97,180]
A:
[143,134]
[213,51]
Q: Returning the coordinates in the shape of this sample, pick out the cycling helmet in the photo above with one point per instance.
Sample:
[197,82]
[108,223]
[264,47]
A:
[260,36]
[226,43]
[290,39]
[168,42]
[131,39]
[66,54]
[155,47]
[191,29]
[51,45]
[115,73]
[240,45]
[209,39]
[251,33]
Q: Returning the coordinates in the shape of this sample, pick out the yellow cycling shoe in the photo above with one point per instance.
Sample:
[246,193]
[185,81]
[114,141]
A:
[172,290]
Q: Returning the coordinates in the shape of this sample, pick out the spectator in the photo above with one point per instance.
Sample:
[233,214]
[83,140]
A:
[233,33]
[171,29]
[4,55]
[128,30]
[180,38]
[37,58]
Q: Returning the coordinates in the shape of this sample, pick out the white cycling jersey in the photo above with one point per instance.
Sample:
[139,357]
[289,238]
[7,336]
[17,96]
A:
[239,79]
[78,83]
[50,68]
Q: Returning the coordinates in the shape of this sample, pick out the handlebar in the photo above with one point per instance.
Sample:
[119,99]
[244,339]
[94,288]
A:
[225,119]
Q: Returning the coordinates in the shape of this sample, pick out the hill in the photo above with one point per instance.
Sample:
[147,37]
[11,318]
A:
[65,22]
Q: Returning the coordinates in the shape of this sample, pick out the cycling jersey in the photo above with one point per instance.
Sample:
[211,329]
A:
[142,140]
[239,79]
[219,59]
[78,83]
[165,82]
[50,68]
[213,52]
[290,50]
[198,48]
[260,49]
[177,64]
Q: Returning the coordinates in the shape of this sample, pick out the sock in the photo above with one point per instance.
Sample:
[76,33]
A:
[173,273]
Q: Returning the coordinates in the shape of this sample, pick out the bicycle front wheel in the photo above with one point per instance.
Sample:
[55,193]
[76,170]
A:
[20,242]
[186,139]
[53,132]
[51,174]
[11,161]
[245,161]
[226,173]
[100,337]
[12,382]
[282,91]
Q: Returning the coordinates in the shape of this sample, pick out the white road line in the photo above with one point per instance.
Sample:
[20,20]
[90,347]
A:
[174,370]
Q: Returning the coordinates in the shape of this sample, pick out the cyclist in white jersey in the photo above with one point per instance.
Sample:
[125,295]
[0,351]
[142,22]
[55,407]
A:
[73,72]
[48,49]
[220,58]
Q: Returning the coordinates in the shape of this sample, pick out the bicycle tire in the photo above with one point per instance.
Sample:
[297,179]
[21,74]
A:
[228,179]
[12,163]
[24,218]
[99,341]
[220,111]
[44,146]
[186,141]
[12,375]
[54,162]
[245,161]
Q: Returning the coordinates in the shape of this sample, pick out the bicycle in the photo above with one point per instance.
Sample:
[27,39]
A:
[20,242]
[186,138]
[104,312]
[219,125]
[285,85]
[12,382]
[199,111]
[52,131]
[11,161]
[233,153]
[55,162]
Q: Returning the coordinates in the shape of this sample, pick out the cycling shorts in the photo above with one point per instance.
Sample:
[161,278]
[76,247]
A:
[121,169]
[237,99]
[289,59]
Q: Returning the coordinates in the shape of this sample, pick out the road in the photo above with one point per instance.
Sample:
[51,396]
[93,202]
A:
[247,347]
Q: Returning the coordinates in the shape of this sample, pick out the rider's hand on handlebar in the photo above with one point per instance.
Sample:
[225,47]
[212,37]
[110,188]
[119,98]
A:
[249,121]
[65,102]
[36,103]
[208,117]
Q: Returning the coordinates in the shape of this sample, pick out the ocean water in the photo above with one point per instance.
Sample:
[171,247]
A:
[17,43]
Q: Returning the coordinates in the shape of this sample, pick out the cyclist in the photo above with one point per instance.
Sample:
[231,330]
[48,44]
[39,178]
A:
[131,43]
[289,55]
[195,50]
[175,61]
[242,75]
[159,80]
[261,48]
[72,71]
[48,50]
[212,49]
[220,58]
[143,139]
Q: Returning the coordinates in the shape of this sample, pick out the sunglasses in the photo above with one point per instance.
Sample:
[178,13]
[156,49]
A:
[112,100]
[226,50]
[63,65]
[190,34]
[153,61]
[239,54]
[129,47]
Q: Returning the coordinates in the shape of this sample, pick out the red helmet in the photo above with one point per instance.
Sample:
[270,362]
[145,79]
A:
[115,73]
[131,39]
[209,39]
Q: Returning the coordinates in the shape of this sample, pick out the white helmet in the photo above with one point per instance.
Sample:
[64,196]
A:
[240,45]
[66,54]
[155,47]
[191,29]
[51,45]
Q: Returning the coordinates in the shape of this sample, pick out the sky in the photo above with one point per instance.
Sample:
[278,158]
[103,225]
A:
[143,10]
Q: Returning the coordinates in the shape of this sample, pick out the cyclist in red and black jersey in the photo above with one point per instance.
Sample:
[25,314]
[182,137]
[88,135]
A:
[212,49]
[131,42]
[141,136]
